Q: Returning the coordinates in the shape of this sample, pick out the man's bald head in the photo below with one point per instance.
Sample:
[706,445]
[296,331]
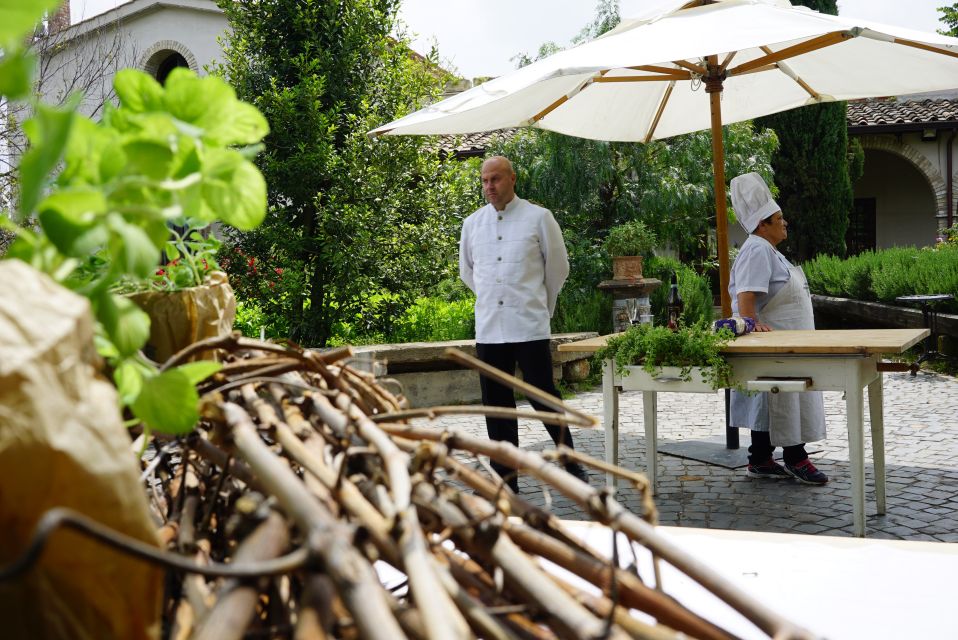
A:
[498,181]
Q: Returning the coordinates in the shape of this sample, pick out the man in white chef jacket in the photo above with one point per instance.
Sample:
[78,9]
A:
[513,257]
[765,286]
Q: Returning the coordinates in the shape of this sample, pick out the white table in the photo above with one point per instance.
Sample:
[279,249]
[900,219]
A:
[785,361]
[839,588]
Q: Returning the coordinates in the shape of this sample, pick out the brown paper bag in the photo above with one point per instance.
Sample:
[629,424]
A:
[180,318]
[62,443]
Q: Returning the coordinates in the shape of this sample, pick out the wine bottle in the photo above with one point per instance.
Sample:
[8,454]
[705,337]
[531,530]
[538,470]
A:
[674,304]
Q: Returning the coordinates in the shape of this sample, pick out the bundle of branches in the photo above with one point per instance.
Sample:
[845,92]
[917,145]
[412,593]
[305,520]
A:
[308,480]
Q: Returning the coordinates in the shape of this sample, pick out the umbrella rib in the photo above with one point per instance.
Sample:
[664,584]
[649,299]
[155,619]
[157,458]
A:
[784,68]
[694,68]
[654,68]
[926,47]
[559,102]
[725,63]
[808,46]
[671,77]
[658,113]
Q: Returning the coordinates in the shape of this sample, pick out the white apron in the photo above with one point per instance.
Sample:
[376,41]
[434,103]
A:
[792,418]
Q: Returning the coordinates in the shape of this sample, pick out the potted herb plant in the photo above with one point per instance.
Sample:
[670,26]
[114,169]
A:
[188,298]
[626,244]
[691,354]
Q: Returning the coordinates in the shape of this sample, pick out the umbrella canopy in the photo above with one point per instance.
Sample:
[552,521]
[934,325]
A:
[687,66]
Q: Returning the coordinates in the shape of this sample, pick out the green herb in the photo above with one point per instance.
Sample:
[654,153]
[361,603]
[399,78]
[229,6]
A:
[630,239]
[654,347]
[112,190]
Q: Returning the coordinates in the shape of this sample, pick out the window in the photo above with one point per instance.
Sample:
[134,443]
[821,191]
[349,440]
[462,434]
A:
[860,236]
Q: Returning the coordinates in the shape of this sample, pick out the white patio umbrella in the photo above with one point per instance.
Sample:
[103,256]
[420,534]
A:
[691,65]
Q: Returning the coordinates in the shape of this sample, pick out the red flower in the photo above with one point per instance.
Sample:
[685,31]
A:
[250,262]
[278,271]
[175,262]
[160,272]
[205,265]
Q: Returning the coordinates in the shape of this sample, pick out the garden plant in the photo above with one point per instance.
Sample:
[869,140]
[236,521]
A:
[173,156]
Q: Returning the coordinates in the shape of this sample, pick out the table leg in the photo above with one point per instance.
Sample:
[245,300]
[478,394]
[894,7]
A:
[875,413]
[856,446]
[650,410]
[610,407]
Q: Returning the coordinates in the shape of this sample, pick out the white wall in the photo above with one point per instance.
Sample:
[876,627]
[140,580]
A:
[126,37]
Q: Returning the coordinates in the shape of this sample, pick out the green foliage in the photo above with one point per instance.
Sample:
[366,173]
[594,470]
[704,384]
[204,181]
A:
[583,310]
[434,320]
[884,275]
[949,17]
[654,347]
[631,238]
[96,199]
[348,216]
[695,290]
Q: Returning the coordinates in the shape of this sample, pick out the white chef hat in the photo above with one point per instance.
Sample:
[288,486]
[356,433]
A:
[752,200]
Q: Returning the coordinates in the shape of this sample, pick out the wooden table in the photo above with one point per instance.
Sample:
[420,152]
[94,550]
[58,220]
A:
[779,361]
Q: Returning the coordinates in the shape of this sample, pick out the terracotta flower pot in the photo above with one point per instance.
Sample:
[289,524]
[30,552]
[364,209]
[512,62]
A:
[627,267]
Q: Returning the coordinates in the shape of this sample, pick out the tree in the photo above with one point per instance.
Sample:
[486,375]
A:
[356,228]
[949,16]
[812,170]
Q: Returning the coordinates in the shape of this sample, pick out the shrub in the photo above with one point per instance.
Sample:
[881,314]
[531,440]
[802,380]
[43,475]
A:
[886,274]
[583,309]
[434,320]
[695,290]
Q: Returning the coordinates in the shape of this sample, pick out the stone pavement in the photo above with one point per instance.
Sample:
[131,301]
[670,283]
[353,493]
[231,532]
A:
[921,458]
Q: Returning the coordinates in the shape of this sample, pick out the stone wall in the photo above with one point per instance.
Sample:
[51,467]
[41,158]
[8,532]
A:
[428,379]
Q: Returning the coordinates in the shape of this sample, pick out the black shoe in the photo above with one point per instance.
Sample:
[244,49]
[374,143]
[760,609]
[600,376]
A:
[578,471]
[806,472]
[769,469]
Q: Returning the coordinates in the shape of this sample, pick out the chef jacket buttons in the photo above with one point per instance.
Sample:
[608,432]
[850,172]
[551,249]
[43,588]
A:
[500,303]
[499,259]
[500,217]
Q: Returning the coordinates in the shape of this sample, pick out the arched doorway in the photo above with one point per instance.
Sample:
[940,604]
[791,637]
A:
[167,65]
[165,56]
[895,205]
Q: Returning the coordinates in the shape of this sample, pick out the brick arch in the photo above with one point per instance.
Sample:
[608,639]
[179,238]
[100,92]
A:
[891,144]
[151,58]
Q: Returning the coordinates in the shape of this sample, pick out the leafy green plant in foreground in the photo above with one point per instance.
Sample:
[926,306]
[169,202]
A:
[654,347]
[174,155]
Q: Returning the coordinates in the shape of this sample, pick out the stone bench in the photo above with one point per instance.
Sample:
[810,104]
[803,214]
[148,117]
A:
[428,379]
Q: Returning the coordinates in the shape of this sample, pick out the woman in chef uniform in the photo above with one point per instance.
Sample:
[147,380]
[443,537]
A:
[765,286]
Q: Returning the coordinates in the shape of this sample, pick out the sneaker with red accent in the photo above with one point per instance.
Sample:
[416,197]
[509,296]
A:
[806,472]
[769,469]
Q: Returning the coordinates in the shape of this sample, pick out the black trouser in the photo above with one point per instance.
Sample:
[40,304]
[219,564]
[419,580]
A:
[535,361]
[761,450]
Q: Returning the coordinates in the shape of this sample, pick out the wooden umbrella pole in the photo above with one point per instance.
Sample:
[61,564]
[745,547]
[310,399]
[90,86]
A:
[713,87]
